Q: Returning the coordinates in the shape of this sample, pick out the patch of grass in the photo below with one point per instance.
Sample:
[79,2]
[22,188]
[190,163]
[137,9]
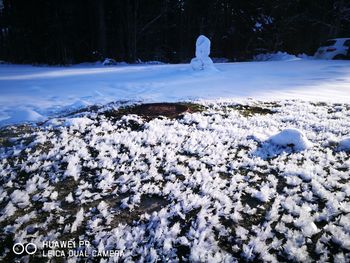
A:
[194,107]
[271,104]
[153,110]
[248,111]
[319,104]
[43,148]
[10,135]
[148,205]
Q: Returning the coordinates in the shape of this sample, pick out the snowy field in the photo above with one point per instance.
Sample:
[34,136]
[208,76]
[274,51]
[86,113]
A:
[218,185]
[30,93]
[257,170]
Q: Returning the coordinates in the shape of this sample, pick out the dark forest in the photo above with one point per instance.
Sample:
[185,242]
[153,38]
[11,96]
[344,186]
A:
[74,31]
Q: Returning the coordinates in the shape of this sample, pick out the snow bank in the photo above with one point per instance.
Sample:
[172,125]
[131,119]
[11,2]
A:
[150,62]
[305,56]
[23,115]
[220,60]
[278,56]
[291,138]
[30,93]
[109,62]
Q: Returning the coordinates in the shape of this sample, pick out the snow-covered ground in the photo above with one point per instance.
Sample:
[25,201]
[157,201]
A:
[259,173]
[260,181]
[30,93]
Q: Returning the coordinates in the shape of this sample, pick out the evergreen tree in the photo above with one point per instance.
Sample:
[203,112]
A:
[73,31]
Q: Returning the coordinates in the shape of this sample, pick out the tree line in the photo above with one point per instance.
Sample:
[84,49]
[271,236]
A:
[74,31]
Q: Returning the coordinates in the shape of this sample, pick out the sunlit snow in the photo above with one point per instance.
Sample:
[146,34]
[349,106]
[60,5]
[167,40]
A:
[29,93]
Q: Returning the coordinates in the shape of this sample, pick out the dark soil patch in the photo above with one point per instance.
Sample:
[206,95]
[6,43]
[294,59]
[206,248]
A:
[148,205]
[259,216]
[153,110]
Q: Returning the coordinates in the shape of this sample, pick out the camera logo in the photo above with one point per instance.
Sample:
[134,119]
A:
[29,248]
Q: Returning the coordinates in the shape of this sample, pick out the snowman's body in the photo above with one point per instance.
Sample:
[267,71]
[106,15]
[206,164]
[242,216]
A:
[202,60]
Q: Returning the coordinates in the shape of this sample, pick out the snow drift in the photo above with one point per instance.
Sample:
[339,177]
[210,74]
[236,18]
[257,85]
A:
[291,138]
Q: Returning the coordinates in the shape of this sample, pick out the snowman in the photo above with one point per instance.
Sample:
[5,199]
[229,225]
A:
[202,60]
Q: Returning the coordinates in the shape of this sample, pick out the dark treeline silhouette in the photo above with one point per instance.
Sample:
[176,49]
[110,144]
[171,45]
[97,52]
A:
[73,31]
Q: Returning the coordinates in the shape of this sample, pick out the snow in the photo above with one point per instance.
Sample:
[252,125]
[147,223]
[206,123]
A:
[228,184]
[8,211]
[291,138]
[344,145]
[264,194]
[109,62]
[22,115]
[20,198]
[78,220]
[215,196]
[103,208]
[69,198]
[202,47]
[54,195]
[73,168]
[29,93]
[78,123]
[278,56]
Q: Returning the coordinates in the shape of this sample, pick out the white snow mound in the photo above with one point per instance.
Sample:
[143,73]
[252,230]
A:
[21,115]
[344,145]
[291,137]
[78,123]
[278,56]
